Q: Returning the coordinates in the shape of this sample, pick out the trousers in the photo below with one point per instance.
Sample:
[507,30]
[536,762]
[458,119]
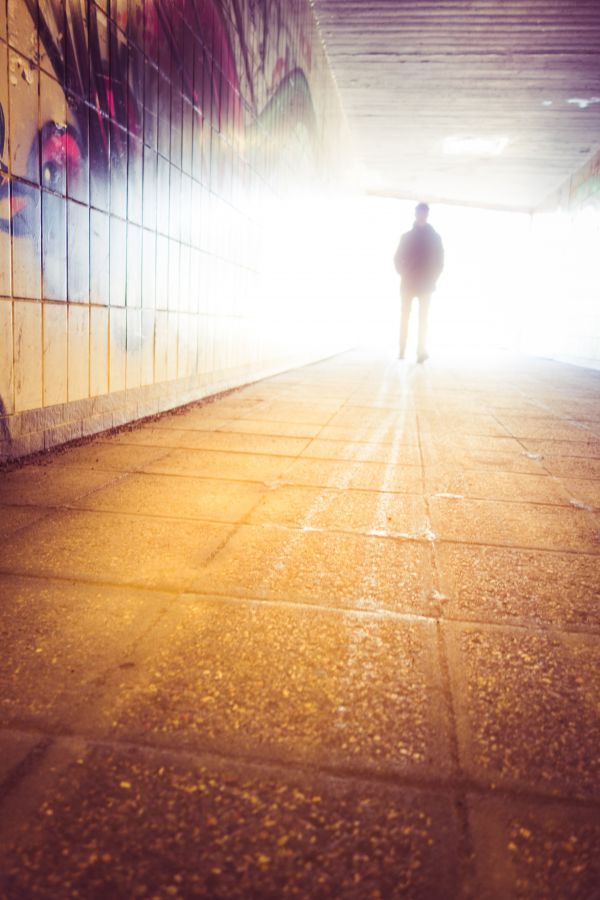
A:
[424,303]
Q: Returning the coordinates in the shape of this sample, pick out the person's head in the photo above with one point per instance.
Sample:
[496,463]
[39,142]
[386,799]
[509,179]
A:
[421,213]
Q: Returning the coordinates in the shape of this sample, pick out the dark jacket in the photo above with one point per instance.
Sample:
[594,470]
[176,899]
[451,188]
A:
[419,259]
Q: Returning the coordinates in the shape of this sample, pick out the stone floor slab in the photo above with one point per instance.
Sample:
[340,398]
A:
[476,430]
[153,436]
[366,433]
[14,518]
[113,548]
[483,485]
[355,474]
[268,427]
[581,448]
[573,466]
[274,445]
[526,705]
[318,567]
[312,413]
[217,464]
[125,824]
[49,485]
[441,454]
[205,499]
[396,454]
[557,429]
[537,588]
[528,850]
[584,492]
[60,638]
[303,685]
[100,455]
[523,525]
[15,747]
[367,512]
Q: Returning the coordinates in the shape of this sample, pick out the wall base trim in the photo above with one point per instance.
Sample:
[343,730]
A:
[32,432]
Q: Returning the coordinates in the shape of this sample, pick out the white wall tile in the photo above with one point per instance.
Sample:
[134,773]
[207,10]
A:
[118,353]
[55,353]
[7,385]
[79,352]
[133,377]
[98,351]
[161,346]
[28,355]
[147,346]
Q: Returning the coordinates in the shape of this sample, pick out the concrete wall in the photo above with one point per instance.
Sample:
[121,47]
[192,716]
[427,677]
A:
[168,170]
[562,309]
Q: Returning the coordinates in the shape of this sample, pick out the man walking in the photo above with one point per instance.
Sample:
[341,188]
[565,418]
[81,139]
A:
[419,260]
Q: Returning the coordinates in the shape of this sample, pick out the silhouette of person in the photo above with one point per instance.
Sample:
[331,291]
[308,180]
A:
[419,261]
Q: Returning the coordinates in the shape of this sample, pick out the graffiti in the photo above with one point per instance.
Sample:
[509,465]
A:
[171,70]
[152,130]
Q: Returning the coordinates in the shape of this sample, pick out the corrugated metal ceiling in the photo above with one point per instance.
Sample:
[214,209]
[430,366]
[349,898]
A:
[420,79]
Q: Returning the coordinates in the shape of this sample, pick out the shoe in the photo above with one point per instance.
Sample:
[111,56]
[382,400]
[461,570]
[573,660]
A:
[401,356]
[422,357]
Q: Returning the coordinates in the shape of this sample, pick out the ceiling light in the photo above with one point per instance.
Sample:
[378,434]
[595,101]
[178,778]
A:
[471,145]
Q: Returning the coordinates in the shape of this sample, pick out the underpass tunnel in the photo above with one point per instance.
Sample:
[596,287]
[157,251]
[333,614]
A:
[202,205]
[286,609]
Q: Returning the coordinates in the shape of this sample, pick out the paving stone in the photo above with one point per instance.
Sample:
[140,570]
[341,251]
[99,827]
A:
[582,448]
[401,454]
[13,518]
[59,639]
[530,850]
[102,455]
[477,430]
[150,436]
[527,708]
[556,429]
[191,498]
[485,485]
[175,422]
[268,427]
[125,824]
[375,512]
[514,524]
[355,474]
[377,422]
[113,548]
[276,445]
[195,416]
[290,411]
[367,433]
[573,467]
[305,685]
[341,570]
[47,485]
[439,454]
[534,587]
[15,747]
[583,492]
[217,464]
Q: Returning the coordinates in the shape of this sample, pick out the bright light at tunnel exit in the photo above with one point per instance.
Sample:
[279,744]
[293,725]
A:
[479,301]
[330,279]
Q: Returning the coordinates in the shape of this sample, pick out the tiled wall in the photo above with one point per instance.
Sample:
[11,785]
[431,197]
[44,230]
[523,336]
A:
[564,293]
[165,166]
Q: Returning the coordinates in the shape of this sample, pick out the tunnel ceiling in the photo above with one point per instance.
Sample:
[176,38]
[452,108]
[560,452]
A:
[486,103]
